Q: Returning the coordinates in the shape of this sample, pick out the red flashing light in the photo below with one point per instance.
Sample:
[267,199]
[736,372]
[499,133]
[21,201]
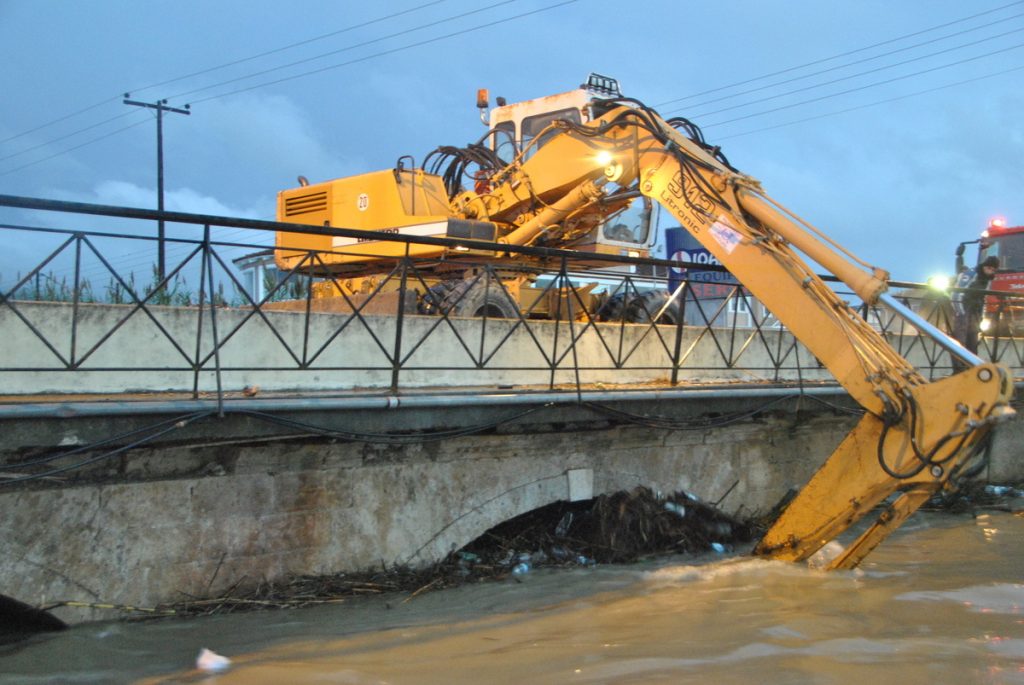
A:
[997,222]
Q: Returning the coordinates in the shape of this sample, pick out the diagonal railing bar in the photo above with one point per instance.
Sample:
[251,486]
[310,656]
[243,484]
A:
[140,304]
[442,318]
[734,295]
[708,330]
[447,314]
[356,315]
[590,324]
[31,326]
[257,309]
[627,285]
[563,278]
[649,326]
[757,334]
[488,276]
[521,321]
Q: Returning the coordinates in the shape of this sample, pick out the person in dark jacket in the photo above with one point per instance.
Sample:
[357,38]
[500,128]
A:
[969,304]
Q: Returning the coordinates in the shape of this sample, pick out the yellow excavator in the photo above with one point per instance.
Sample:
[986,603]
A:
[581,170]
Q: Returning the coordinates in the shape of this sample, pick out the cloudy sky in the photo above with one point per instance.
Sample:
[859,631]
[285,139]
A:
[897,125]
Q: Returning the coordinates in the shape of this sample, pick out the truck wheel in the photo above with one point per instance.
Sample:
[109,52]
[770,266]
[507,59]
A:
[477,300]
[643,308]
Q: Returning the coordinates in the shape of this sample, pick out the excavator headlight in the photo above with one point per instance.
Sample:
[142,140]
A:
[604,158]
[985,325]
[939,282]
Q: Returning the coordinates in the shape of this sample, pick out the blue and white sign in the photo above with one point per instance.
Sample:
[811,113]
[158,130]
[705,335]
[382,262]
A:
[683,247]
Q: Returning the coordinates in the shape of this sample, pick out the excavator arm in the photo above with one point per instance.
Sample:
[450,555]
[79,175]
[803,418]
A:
[916,436]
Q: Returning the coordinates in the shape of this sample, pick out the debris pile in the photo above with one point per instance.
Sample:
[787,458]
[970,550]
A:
[618,528]
[974,495]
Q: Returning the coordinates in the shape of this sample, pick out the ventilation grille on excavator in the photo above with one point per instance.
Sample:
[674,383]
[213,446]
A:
[305,204]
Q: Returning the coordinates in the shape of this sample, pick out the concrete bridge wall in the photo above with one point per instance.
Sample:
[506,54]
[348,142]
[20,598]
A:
[118,348]
[192,520]
[264,511]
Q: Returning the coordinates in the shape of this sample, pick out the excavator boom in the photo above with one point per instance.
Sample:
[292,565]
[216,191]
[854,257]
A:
[916,436]
[589,163]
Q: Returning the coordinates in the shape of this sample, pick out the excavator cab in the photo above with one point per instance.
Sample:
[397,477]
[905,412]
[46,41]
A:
[521,129]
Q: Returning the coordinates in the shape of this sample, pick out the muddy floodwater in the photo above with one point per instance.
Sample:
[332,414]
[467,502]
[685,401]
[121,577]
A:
[940,602]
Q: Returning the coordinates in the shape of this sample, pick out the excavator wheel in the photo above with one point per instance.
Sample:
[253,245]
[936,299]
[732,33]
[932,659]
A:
[645,307]
[432,302]
[476,299]
[613,309]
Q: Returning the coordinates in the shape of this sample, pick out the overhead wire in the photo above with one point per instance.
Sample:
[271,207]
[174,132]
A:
[222,66]
[290,46]
[885,67]
[870,104]
[842,54]
[391,51]
[347,48]
[327,68]
[862,61]
[864,87]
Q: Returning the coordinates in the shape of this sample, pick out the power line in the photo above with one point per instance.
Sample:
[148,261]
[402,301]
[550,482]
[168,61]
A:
[58,120]
[861,73]
[870,104]
[72,149]
[389,52]
[211,69]
[291,45]
[65,137]
[841,54]
[340,50]
[566,2]
[868,59]
[864,87]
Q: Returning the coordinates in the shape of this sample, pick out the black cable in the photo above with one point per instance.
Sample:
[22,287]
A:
[664,422]
[106,441]
[388,438]
[108,454]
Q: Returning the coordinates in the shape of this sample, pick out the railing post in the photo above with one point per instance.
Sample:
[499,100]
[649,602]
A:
[683,287]
[208,270]
[75,299]
[396,362]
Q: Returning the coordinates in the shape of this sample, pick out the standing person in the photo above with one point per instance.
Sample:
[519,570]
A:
[969,304]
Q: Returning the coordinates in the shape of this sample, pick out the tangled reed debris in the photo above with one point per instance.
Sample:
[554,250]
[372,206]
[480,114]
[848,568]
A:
[619,528]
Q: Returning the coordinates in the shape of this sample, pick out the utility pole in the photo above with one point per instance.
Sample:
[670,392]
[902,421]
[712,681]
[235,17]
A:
[160,106]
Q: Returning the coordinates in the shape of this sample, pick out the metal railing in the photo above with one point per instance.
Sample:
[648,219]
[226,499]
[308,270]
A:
[198,332]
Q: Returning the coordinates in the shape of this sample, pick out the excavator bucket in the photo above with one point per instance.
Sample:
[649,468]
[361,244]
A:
[884,456]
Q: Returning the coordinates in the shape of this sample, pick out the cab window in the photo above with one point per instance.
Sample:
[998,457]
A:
[535,125]
[631,225]
[504,140]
